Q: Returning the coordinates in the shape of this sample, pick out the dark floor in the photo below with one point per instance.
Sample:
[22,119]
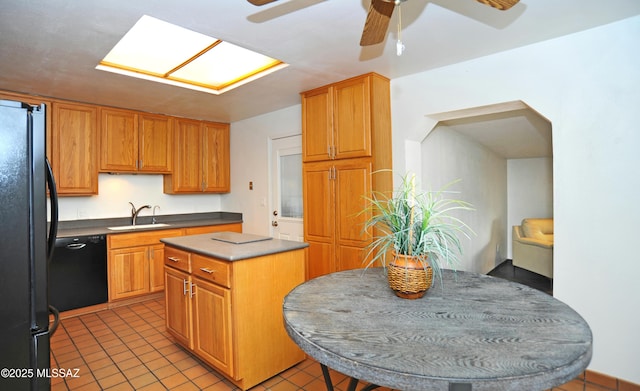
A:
[509,272]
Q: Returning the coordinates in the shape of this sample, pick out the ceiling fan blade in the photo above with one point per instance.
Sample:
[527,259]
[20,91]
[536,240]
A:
[377,23]
[502,5]
[261,2]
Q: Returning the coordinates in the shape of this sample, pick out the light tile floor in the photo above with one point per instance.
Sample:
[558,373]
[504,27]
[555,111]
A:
[127,348]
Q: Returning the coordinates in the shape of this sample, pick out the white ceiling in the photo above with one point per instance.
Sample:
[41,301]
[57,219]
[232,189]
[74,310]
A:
[51,47]
[512,130]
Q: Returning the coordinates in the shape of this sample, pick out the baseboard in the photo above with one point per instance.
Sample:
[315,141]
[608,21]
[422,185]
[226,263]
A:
[609,382]
[108,306]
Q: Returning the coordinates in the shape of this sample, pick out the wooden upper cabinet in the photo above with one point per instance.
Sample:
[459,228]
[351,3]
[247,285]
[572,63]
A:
[201,158]
[135,142]
[338,120]
[216,157]
[187,165]
[352,118]
[74,149]
[317,124]
[119,140]
[155,143]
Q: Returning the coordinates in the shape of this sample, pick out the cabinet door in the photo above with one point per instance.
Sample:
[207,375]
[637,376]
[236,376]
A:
[177,295]
[119,140]
[129,272]
[155,143]
[212,339]
[352,189]
[317,124]
[187,164]
[319,220]
[352,118]
[320,259]
[216,157]
[74,151]
[156,268]
[318,186]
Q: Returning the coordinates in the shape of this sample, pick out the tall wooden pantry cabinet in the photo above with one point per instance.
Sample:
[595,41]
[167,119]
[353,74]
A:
[346,152]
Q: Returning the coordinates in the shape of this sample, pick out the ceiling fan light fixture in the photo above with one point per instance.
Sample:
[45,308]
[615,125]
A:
[502,5]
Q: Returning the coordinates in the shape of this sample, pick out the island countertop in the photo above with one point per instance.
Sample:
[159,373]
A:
[232,246]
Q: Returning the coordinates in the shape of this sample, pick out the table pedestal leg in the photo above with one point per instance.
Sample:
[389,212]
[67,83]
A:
[353,383]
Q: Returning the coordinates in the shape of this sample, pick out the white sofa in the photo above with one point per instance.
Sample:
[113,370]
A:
[532,246]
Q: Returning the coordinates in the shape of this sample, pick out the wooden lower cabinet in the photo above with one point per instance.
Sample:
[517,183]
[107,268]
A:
[136,260]
[212,325]
[178,303]
[156,268]
[229,314]
[335,216]
[128,272]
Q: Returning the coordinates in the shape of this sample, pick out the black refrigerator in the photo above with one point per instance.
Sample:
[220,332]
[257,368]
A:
[28,225]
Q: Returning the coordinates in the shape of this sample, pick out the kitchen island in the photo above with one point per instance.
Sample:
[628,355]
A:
[223,301]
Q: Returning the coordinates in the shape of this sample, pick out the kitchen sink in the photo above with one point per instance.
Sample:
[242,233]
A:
[139,226]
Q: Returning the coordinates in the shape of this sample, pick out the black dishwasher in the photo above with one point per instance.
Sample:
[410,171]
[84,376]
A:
[78,272]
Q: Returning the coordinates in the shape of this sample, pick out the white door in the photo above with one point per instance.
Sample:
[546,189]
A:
[286,188]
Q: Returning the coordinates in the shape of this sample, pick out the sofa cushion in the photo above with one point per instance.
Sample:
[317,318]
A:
[541,229]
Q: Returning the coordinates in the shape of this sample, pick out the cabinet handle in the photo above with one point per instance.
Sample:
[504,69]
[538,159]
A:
[173,259]
[207,270]
[193,291]
[184,286]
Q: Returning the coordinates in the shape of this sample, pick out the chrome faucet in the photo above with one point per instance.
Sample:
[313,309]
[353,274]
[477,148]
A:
[153,219]
[135,212]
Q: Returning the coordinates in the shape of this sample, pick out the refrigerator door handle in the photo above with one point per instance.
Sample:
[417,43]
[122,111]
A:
[53,227]
[56,320]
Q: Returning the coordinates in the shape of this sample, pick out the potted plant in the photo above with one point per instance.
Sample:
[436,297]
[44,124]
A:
[418,232]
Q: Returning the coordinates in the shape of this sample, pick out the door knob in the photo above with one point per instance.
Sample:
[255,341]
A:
[274,223]
[275,212]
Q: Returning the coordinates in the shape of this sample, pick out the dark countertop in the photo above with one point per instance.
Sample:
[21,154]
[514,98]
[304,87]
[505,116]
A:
[473,332]
[99,226]
[222,245]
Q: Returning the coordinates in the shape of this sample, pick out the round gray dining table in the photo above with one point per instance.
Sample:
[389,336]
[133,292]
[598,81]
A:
[472,332]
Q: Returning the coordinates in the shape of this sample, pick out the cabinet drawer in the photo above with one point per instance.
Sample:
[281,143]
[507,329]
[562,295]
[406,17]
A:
[177,259]
[141,238]
[212,270]
[235,227]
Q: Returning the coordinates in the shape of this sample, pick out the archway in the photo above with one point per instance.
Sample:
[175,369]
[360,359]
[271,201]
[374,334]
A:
[504,157]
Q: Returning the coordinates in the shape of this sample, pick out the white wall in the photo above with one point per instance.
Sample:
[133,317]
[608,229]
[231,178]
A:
[530,191]
[250,158]
[588,86]
[116,191]
[448,156]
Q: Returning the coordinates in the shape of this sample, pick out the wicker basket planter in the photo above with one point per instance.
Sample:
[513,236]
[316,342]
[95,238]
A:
[410,226]
[409,277]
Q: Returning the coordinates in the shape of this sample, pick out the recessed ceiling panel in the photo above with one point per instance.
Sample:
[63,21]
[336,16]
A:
[160,51]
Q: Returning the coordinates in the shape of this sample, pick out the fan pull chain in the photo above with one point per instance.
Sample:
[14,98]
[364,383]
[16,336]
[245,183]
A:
[399,44]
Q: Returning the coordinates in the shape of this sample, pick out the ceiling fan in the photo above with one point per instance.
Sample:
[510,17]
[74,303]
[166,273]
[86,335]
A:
[380,11]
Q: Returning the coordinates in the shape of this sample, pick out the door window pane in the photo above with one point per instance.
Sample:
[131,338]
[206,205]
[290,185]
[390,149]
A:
[291,186]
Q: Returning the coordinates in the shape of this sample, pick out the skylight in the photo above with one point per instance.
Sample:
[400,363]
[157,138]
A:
[163,52]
